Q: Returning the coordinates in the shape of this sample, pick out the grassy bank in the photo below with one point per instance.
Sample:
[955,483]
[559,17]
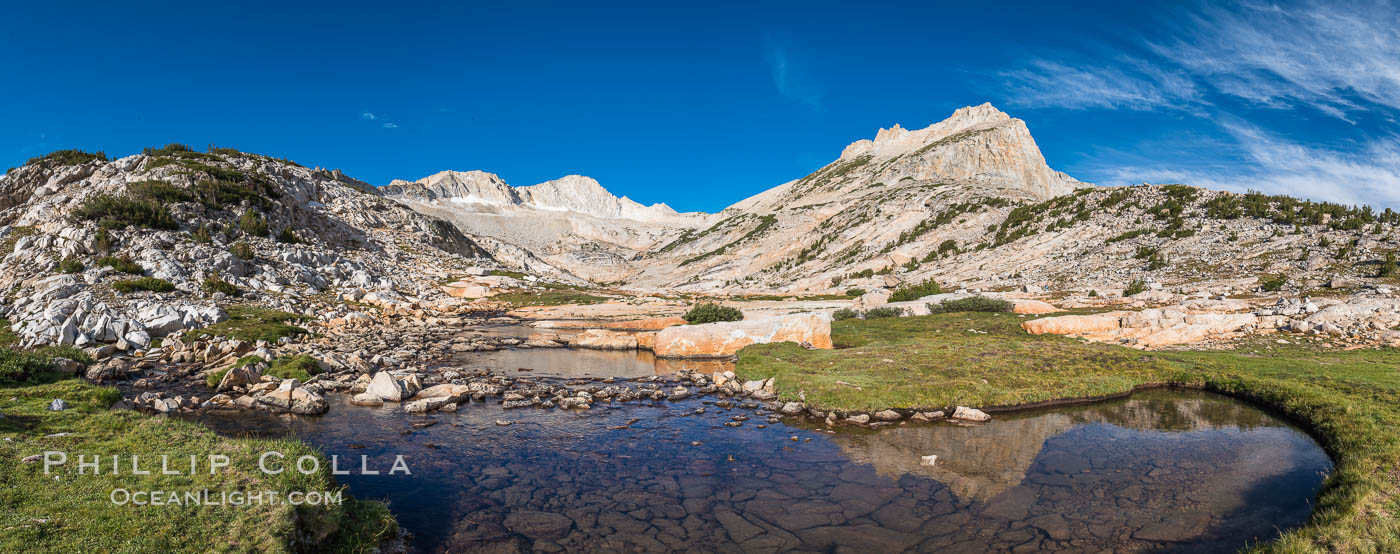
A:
[68,512]
[1349,400]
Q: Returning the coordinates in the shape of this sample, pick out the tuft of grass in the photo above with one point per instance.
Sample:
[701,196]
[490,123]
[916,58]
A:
[122,264]
[152,284]
[252,324]
[1348,399]
[972,304]
[916,291]
[710,312]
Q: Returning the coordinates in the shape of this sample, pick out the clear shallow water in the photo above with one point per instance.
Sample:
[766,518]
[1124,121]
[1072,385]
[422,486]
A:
[1162,471]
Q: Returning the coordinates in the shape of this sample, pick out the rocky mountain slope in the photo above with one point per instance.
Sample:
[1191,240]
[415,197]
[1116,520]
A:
[127,250]
[567,227]
[781,239]
[970,203]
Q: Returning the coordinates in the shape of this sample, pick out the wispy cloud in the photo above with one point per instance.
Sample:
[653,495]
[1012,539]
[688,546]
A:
[367,115]
[790,73]
[391,125]
[1129,84]
[1368,173]
[1332,57]
[1229,66]
[1329,56]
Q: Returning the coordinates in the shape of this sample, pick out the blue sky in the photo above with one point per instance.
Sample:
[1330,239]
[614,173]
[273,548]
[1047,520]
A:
[701,105]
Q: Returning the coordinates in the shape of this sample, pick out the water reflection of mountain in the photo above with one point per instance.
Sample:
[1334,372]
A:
[979,462]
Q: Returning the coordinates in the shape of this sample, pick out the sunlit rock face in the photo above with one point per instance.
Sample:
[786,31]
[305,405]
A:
[870,194]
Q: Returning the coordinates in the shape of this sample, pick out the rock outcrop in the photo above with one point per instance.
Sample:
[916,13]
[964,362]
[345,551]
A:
[713,340]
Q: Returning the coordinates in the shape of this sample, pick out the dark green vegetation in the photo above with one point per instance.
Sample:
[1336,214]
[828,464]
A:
[118,212]
[28,367]
[300,367]
[1135,287]
[287,236]
[70,265]
[74,512]
[1388,267]
[213,284]
[151,284]
[844,314]
[253,223]
[122,264]
[243,250]
[66,157]
[915,291]
[882,313]
[146,204]
[253,324]
[1272,283]
[1350,400]
[711,313]
[972,304]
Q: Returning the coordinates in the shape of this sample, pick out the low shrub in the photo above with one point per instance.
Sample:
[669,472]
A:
[855,292]
[122,264]
[916,291]
[118,212]
[844,314]
[1272,283]
[70,265]
[168,149]
[202,235]
[242,249]
[213,284]
[67,157]
[972,304]
[1388,267]
[159,190]
[1135,287]
[881,313]
[253,223]
[286,236]
[145,283]
[711,313]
